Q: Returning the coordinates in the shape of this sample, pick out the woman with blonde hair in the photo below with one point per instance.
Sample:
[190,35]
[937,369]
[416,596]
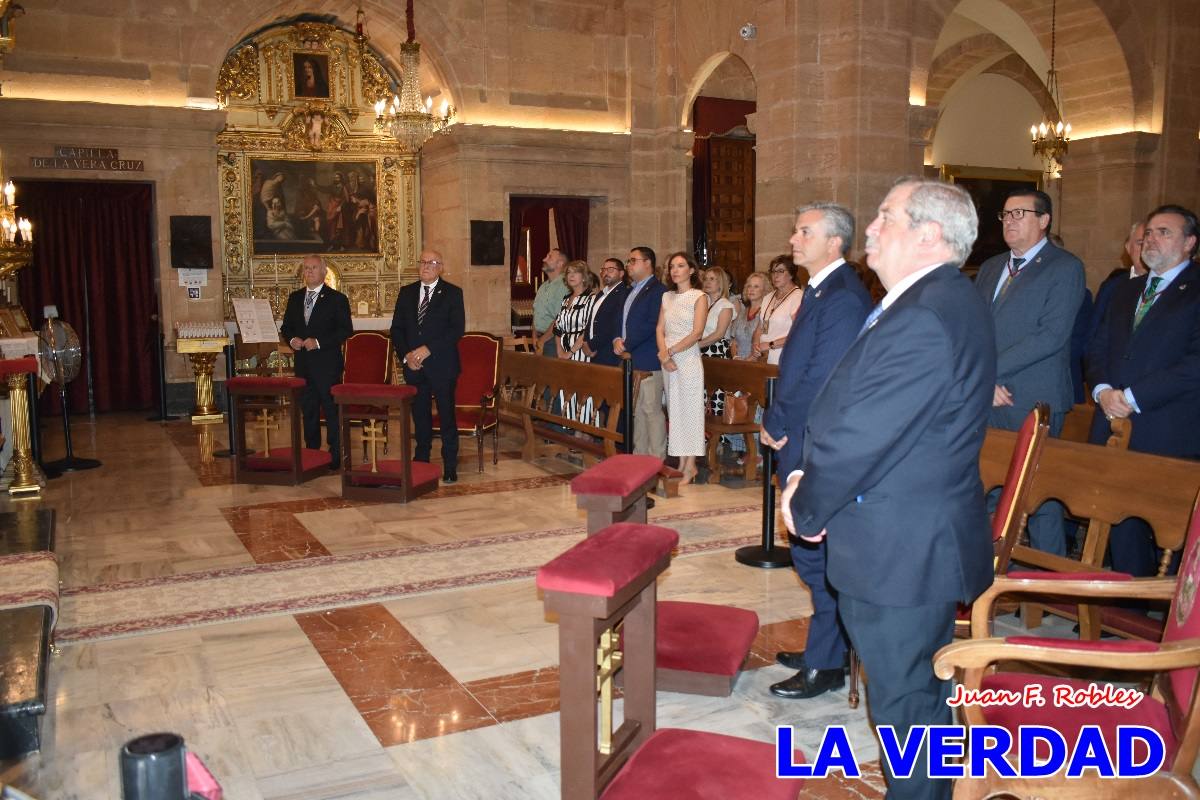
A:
[680,328]
[721,313]
[747,321]
[570,330]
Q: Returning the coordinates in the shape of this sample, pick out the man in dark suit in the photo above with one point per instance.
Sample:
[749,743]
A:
[639,323]
[607,313]
[1144,364]
[831,314]
[427,323]
[315,323]
[1034,291]
[890,470]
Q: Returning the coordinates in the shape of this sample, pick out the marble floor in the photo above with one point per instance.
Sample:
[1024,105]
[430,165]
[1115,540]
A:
[310,647]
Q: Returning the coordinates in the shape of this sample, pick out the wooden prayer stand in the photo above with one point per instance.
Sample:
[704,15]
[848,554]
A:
[615,489]
[385,480]
[276,466]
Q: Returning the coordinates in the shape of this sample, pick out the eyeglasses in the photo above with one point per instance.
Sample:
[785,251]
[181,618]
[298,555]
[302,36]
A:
[779,270]
[430,263]
[629,261]
[1016,213]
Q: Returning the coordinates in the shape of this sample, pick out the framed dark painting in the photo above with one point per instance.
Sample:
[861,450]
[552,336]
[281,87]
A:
[310,73]
[988,187]
[301,207]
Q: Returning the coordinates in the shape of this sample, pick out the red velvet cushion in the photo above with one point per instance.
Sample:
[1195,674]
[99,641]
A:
[1008,492]
[701,637]
[14,366]
[390,473]
[1098,645]
[1068,721]
[697,765]
[372,392]
[605,563]
[280,458]
[250,384]
[366,357]
[1182,620]
[618,475]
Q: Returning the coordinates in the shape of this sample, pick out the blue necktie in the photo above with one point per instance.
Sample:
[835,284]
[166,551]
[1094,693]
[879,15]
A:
[309,301]
[870,320]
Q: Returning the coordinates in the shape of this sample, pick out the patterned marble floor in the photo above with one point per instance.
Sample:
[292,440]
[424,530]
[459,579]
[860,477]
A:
[447,688]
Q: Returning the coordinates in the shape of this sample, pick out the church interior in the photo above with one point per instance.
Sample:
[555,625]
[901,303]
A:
[172,162]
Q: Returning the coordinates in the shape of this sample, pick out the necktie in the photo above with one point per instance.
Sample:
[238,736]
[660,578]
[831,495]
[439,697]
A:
[424,306]
[1014,266]
[310,300]
[870,320]
[1146,301]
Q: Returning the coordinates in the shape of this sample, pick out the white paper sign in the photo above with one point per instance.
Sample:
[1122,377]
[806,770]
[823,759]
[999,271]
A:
[193,278]
[255,321]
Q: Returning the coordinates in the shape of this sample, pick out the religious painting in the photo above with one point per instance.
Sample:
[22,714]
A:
[989,187]
[310,71]
[301,207]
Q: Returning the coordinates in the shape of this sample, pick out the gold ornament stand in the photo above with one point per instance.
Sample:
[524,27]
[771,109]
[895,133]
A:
[203,354]
[26,479]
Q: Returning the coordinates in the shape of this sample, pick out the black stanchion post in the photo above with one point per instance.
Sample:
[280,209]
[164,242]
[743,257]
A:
[766,555]
[231,451]
[160,357]
[627,404]
[35,425]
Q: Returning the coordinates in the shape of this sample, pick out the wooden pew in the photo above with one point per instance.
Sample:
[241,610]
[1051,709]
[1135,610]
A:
[1102,485]
[749,378]
[529,386]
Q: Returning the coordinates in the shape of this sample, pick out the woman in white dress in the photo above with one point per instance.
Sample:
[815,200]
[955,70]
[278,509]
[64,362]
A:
[779,309]
[718,327]
[680,328]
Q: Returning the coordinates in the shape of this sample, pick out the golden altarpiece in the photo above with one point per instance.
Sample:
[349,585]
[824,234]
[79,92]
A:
[302,170]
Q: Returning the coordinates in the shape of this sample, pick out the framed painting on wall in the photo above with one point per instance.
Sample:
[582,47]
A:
[301,207]
[988,187]
[310,73]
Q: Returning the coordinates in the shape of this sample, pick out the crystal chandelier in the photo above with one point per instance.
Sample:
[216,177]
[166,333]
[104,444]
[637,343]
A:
[1051,138]
[411,122]
[16,234]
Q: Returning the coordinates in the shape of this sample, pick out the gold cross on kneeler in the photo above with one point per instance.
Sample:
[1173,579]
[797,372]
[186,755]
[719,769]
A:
[373,434]
[608,659]
[266,423]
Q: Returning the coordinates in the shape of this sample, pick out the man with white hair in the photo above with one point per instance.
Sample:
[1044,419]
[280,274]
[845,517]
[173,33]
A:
[889,476]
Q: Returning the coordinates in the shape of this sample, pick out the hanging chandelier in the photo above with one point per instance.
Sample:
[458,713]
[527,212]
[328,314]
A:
[411,122]
[16,234]
[1052,137]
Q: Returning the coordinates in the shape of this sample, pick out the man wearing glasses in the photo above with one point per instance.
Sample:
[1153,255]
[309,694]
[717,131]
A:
[639,323]
[1034,291]
[607,313]
[427,323]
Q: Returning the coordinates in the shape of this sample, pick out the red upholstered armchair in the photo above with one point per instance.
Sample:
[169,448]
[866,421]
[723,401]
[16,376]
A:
[475,393]
[1171,707]
[368,359]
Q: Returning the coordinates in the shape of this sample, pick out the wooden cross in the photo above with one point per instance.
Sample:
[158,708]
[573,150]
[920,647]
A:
[266,422]
[373,434]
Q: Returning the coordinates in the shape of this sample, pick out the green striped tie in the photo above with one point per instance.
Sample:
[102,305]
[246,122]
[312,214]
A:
[1146,301]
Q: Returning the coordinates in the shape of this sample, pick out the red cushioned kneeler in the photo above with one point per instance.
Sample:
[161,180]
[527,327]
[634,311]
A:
[615,489]
[281,466]
[395,480]
[700,647]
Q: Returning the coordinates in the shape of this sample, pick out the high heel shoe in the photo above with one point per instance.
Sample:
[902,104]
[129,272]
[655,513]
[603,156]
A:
[689,476]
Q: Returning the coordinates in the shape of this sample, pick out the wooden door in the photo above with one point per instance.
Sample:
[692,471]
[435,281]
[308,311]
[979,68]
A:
[730,224]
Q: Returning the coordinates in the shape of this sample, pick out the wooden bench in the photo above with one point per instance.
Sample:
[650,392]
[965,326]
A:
[603,592]
[25,640]
[1102,485]
[750,379]
[529,390]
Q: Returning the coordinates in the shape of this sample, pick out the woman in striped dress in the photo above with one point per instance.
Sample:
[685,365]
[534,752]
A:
[570,330]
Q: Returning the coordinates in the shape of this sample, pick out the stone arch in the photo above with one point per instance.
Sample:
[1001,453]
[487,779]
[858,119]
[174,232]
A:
[711,65]
[1099,68]
[984,53]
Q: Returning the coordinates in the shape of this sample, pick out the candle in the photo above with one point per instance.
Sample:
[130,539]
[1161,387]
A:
[10,193]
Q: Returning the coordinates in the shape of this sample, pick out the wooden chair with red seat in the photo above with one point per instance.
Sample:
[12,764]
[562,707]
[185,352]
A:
[1008,520]
[1172,707]
[475,410]
[603,591]
[367,358]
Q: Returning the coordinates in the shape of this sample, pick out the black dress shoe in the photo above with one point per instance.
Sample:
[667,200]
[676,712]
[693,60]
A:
[809,683]
[792,659]
[450,476]
[649,502]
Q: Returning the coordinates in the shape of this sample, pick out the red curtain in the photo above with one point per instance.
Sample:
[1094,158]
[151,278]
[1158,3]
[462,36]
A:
[570,225]
[94,259]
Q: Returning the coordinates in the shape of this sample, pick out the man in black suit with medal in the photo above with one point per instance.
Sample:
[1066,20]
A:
[315,323]
[889,475]
[427,323]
